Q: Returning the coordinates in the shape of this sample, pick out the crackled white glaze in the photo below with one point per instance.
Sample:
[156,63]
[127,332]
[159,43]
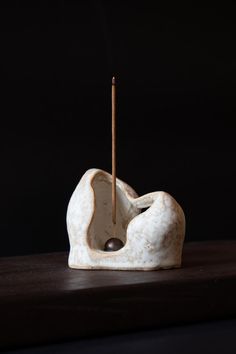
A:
[152,239]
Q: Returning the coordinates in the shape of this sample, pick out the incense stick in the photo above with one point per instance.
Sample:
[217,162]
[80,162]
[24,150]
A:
[113,104]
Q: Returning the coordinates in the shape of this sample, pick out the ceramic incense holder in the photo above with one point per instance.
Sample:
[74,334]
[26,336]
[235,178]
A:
[153,239]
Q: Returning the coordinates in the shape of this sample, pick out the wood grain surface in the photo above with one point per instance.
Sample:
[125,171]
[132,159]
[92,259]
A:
[43,301]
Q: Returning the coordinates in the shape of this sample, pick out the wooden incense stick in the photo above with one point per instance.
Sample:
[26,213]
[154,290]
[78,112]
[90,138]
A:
[113,105]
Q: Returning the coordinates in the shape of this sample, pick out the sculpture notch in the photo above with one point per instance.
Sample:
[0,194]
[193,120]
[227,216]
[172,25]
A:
[152,239]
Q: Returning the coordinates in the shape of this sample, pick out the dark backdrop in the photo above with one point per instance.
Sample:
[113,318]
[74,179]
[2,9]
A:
[176,70]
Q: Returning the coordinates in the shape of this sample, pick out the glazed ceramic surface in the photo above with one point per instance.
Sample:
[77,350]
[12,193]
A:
[153,239]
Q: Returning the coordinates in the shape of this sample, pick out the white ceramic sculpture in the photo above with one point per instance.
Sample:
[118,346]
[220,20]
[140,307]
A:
[152,239]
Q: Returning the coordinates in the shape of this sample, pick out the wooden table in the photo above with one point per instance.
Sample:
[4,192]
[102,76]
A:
[43,301]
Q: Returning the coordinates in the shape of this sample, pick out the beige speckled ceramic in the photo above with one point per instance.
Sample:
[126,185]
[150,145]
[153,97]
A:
[152,239]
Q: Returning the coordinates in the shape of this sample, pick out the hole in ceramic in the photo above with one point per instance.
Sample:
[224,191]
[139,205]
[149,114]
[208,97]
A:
[144,209]
[101,227]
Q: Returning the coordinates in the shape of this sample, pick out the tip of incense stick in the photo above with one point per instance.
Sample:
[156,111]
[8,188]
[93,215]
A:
[113,80]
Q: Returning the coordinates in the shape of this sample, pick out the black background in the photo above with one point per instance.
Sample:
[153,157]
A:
[175,66]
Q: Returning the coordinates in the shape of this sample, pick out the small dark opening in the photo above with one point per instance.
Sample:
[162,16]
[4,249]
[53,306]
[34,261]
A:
[144,209]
